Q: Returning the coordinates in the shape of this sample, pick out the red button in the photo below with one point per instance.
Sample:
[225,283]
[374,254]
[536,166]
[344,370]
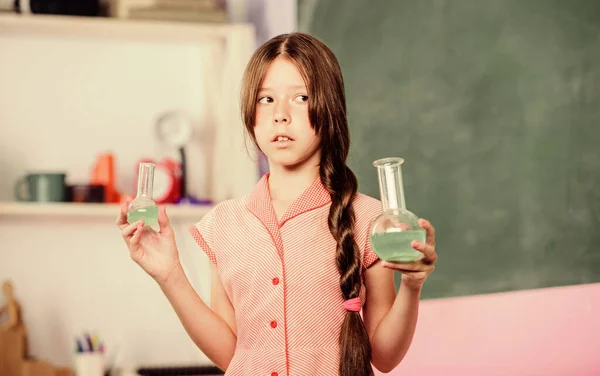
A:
[274,374]
[273,324]
[275,281]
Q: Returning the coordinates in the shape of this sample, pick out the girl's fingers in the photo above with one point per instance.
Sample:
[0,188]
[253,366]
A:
[135,239]
[427,250]
[163,220]
[419,270]
[428,227]
[122,218]
[128,230]
[403,266]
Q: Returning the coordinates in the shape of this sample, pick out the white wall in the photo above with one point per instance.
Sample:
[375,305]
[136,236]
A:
[62,101]
[272,17]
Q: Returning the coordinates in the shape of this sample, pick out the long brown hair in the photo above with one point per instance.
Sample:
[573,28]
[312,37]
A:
[327,113]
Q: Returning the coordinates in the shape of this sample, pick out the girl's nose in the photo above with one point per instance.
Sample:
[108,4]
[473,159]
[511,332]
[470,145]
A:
[282,114]
[281,118]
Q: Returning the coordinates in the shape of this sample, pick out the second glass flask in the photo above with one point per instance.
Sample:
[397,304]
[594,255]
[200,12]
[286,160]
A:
[143,206]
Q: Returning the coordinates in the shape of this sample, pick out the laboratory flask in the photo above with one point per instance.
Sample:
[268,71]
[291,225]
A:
[395,228]
[143,206]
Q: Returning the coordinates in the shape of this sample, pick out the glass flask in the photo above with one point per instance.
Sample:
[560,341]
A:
[142,206]
[395,228]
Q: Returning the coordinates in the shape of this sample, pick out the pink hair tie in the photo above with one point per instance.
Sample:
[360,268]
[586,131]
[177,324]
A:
[352,305]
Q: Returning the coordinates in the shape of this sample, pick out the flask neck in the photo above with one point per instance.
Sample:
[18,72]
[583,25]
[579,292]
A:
[391,187]
[145,180]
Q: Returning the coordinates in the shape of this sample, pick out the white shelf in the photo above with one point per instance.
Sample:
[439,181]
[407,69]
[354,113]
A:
[191,213]
[104,27]
[225,49]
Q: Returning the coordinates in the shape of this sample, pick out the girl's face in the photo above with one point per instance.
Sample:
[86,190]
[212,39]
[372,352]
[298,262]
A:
[283,130]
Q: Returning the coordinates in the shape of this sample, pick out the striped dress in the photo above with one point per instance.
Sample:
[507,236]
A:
[281,278]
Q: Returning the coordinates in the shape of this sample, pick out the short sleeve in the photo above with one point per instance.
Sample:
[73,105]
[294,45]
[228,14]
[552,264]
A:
[369,257]
[202,232]
[367,210]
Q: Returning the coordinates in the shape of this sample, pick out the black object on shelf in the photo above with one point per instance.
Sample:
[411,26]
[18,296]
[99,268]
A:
[60,7]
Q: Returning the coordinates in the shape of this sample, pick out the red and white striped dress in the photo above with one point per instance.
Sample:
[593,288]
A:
[282,279]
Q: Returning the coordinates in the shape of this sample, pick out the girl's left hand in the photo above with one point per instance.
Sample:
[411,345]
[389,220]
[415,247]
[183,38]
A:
[414,274]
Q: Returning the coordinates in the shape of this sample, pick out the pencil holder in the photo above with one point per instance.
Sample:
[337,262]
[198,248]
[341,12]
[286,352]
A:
[89,364]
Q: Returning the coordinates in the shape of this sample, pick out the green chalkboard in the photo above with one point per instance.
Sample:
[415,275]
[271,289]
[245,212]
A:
[495,105]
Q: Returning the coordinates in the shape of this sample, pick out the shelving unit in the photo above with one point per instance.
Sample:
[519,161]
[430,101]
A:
[230,46]
[64,210]
[65,95]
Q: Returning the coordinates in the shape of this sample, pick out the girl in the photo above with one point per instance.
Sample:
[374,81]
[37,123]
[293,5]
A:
[292,266]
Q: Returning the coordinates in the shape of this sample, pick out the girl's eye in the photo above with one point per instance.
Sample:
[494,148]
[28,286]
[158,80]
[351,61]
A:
[265,100]
[302,98]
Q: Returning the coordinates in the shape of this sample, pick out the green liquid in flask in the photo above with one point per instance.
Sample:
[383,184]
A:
[149,214]
[396,246]
[143,207]
[395,228]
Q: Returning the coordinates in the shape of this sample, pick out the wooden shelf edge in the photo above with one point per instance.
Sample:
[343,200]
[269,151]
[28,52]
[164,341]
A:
[79,26]
[31,209]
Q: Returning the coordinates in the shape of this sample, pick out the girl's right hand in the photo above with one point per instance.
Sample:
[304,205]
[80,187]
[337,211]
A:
[154,251]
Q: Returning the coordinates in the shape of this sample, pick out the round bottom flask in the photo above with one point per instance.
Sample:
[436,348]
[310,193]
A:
[142,206]
[395,228]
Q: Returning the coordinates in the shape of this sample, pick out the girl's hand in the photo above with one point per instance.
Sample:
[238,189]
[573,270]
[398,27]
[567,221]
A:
[154,251]
[414,274]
